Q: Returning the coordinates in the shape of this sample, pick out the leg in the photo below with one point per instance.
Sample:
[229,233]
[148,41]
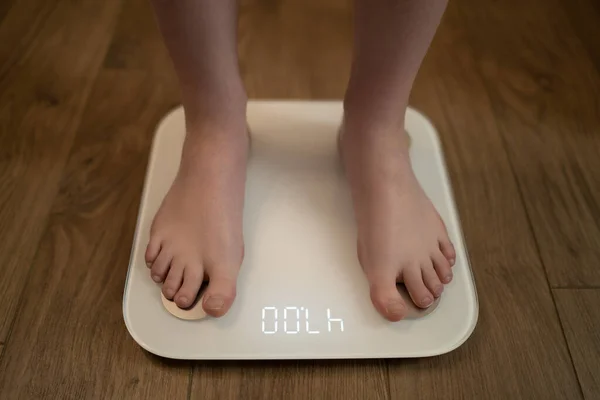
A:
[400,234]
[197,232]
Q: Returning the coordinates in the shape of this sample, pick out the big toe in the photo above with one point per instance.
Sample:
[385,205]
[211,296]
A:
[387,299]
[219,295]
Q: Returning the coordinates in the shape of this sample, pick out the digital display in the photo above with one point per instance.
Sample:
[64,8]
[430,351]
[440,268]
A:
[295,320]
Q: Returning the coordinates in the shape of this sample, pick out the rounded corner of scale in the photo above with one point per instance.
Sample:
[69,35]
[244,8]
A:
[424,120]
[470,328]
[171,114]
[420,115]
[139,340]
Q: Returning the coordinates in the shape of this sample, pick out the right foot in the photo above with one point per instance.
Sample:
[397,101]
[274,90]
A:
[197,233]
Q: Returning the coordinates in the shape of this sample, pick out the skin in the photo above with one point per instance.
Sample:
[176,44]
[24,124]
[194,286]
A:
[400,234]
[197,232]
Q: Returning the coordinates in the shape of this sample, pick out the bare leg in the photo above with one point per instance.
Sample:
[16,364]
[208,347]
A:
[197,232]
[400,234]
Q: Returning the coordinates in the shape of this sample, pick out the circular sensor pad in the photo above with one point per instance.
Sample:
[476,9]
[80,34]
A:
[193,312]
[415,312]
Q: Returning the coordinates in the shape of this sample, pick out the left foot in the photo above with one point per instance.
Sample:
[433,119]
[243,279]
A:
[401,237]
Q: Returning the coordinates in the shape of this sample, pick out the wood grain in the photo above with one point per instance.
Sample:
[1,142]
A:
[584,16]
[138,45]
[517,349]
[69,339]
[45,78]
[580,317]
[289,49]
[5,6]
[512,87]
[291,380]
[544,90]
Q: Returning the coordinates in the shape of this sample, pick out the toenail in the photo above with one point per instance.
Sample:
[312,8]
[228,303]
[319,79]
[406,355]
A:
[427,301]
[214,303]
[452,261]
[183,299]
[439,290]
[169,292]
[156,278]
[395,308]
[448,278]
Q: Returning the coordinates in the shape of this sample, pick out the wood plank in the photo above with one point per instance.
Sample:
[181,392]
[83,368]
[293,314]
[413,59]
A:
[580,318]
[45,79]
[137,43]
[69,339]
[517,349]
[544,89]
[584,16]
[5,6]
[291,380]
[292,49]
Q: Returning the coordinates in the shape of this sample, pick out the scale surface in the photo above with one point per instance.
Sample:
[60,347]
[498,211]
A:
[301,291]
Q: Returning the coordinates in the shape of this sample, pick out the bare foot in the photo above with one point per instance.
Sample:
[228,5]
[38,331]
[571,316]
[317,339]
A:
[401,237]
[197,232]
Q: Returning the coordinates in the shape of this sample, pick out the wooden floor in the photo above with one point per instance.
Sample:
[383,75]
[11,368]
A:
[513,87]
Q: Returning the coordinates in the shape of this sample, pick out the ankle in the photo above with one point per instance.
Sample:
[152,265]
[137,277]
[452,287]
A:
[362,134]
[222,107]
[207,140]
[370,109]
[365,126]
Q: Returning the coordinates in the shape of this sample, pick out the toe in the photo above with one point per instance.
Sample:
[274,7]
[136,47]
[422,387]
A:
[442,267]
[174,279]
[152,250]
[387,299]
[192,281]
[431,280]
[413,280]
[161,266]
[447,249]
[220,294]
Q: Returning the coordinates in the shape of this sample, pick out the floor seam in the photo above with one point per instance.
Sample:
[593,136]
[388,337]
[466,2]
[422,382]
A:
[190,381]
[389,380]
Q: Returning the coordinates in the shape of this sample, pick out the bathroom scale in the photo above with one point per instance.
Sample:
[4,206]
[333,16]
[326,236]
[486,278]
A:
[301,292]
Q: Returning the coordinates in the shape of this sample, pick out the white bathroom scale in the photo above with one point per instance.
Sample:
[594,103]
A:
[301,292]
